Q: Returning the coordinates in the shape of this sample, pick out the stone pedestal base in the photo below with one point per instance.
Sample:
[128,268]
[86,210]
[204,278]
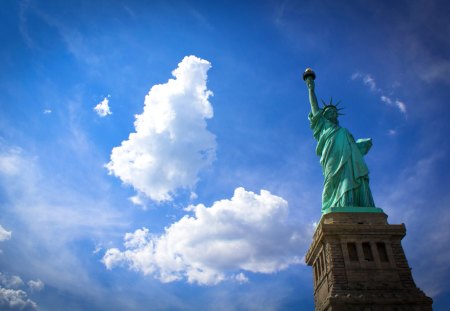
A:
[359,264]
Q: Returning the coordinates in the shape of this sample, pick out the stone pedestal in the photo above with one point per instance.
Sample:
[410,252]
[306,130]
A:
[359,264]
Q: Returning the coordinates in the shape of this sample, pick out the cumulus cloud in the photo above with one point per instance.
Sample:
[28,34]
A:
[249,232]
[13,281]
[4,235]
[171,143]
[14,298]
[368,80]
[102,108]
[11,299]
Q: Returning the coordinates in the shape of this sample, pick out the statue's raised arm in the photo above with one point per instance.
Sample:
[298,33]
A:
[309,76]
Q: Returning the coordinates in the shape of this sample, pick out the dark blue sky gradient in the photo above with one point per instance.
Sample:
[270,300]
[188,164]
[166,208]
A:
[66,56]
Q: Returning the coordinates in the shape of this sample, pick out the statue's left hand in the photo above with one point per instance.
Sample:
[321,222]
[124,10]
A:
[364,145]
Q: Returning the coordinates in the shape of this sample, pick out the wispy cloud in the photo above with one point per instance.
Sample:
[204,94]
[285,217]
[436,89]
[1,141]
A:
[4,234]
[23,22]
[367,80]
[436,70]
[20,179]
[171,143]
[73,39]
[48,216]
[399,104]
[392,132]
[279,13]
[370,82]
[415,192]
[249,232]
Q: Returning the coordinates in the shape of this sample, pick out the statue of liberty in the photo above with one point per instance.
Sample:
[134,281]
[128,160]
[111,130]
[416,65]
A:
[346,174]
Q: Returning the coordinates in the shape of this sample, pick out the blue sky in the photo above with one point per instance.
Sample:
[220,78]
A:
[194,184]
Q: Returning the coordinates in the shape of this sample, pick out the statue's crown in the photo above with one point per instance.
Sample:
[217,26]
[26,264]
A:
[331,105]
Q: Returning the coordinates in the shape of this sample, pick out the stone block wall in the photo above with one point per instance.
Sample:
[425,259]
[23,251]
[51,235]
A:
[359,264]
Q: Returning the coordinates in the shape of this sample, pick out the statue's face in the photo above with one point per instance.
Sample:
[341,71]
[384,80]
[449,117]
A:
[331,114]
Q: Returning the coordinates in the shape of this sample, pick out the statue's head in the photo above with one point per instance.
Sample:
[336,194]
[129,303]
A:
[331,111]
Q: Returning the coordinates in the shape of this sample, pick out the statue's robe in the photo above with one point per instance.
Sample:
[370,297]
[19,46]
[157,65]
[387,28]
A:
[346,174]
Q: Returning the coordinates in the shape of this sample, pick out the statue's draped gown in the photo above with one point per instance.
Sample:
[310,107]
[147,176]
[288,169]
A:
[346,174]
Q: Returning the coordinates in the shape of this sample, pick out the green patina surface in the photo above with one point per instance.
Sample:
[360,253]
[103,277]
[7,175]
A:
[346,176]
[352,209]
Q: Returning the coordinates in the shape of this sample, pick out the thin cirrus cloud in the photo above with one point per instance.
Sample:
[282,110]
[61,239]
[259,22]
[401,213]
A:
[370,82]
[248,233]
[171,143]
[49,209]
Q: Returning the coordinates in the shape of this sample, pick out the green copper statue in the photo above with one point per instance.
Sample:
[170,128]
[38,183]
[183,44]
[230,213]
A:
[346,184]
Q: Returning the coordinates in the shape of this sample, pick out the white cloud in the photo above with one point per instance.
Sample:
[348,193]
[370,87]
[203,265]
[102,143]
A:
[249,232]
[241,278]
[401,106]
[102,108]
[47,111]
[10,161]
[171,144]
[11,299]
[392,132]
[136,200]
[4,235]
[193,196]
[367,80]
[386,99]
[13,281]
[398,103]
[35,286]
[370,82]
